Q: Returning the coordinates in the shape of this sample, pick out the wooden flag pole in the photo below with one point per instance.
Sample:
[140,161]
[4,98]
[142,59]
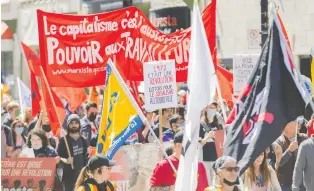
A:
[55,108]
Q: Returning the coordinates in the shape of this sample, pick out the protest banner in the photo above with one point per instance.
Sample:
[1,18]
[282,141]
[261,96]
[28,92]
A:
[27,174]
[74,49]
[243,66]
[219,142]
[160,85]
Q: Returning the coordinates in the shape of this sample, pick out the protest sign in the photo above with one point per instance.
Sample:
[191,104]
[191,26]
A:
[135,165]
[243,66]
[27,174]
[219,142]
[74,49]
[160,85]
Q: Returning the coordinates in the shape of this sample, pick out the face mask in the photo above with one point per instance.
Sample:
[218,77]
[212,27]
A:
[292,139]
[211,112]
[36,147]
[92,117]
[19,130]
[182,125]
[225,181]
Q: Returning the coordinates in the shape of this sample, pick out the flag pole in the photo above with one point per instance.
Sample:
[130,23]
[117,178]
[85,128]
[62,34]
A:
[20,96]
[140,113]
[55,108]
[220,100]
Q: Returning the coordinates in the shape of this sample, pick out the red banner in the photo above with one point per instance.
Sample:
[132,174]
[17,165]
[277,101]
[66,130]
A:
[27,173]
[74,49]
[219,142]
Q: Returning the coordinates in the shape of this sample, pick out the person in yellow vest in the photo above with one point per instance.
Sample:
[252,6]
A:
[94,176]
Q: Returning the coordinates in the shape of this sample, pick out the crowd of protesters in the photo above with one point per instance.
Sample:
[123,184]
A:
[288,164]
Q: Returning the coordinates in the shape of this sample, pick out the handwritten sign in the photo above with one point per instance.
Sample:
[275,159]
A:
[27,174]
[160,85]
[243,66]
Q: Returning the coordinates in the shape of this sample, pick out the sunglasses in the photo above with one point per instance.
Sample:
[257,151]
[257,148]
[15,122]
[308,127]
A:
[230,169]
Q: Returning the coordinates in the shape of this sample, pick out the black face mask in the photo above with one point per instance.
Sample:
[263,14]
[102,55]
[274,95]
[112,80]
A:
[46,128]
[225,181]
[91,117]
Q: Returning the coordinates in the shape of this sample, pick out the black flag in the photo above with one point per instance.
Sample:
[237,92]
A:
[270,100]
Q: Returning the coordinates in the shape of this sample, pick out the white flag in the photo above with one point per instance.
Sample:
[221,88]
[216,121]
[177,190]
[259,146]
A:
[202,82]
[25,95]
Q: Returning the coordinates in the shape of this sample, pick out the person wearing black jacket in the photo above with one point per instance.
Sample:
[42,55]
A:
[78,149]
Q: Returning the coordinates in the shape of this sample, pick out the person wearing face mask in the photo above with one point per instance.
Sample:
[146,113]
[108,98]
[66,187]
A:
[289,142]
[226,170]
[209,124]
[260,176]
[95,175]
[18,137]
[78,149]
[90,126]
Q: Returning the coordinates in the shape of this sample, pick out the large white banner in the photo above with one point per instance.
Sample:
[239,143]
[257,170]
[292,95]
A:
[243,66]
[160,85]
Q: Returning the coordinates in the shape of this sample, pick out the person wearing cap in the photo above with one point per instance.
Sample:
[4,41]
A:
[164,177]
[78,149]
[95,175]
[226,170]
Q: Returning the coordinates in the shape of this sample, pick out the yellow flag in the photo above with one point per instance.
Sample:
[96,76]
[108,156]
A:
[120,114]
[312,74]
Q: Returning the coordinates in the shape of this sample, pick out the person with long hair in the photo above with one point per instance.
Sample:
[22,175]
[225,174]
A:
[227,179]
[260,176]
[18,137]
[209,124]
[95,175]
[37,146]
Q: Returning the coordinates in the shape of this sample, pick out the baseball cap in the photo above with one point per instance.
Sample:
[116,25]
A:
[98,161]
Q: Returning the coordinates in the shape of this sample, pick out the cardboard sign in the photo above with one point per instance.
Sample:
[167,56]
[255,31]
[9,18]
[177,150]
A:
[219,142]
[27,174]
[160,85]
[75,49]
[243,66]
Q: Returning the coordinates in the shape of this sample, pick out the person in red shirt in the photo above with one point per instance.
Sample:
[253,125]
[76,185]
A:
[164,177]
[310,126]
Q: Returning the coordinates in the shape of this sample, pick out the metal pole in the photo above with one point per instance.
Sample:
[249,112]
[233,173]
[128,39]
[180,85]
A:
[264,21]
[127,3]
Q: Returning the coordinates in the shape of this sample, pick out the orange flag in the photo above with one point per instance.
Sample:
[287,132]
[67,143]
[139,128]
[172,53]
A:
[74,96]
[94,95]
[31,57]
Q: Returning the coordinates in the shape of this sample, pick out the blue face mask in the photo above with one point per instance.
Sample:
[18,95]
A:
[182,125]
[211,112]
[19,130]
[36,147]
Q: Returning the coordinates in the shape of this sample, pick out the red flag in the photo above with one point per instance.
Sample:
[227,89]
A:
[56,114]
[53,113]
[31,58]
[225,81]
[287,39]
[74,96]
